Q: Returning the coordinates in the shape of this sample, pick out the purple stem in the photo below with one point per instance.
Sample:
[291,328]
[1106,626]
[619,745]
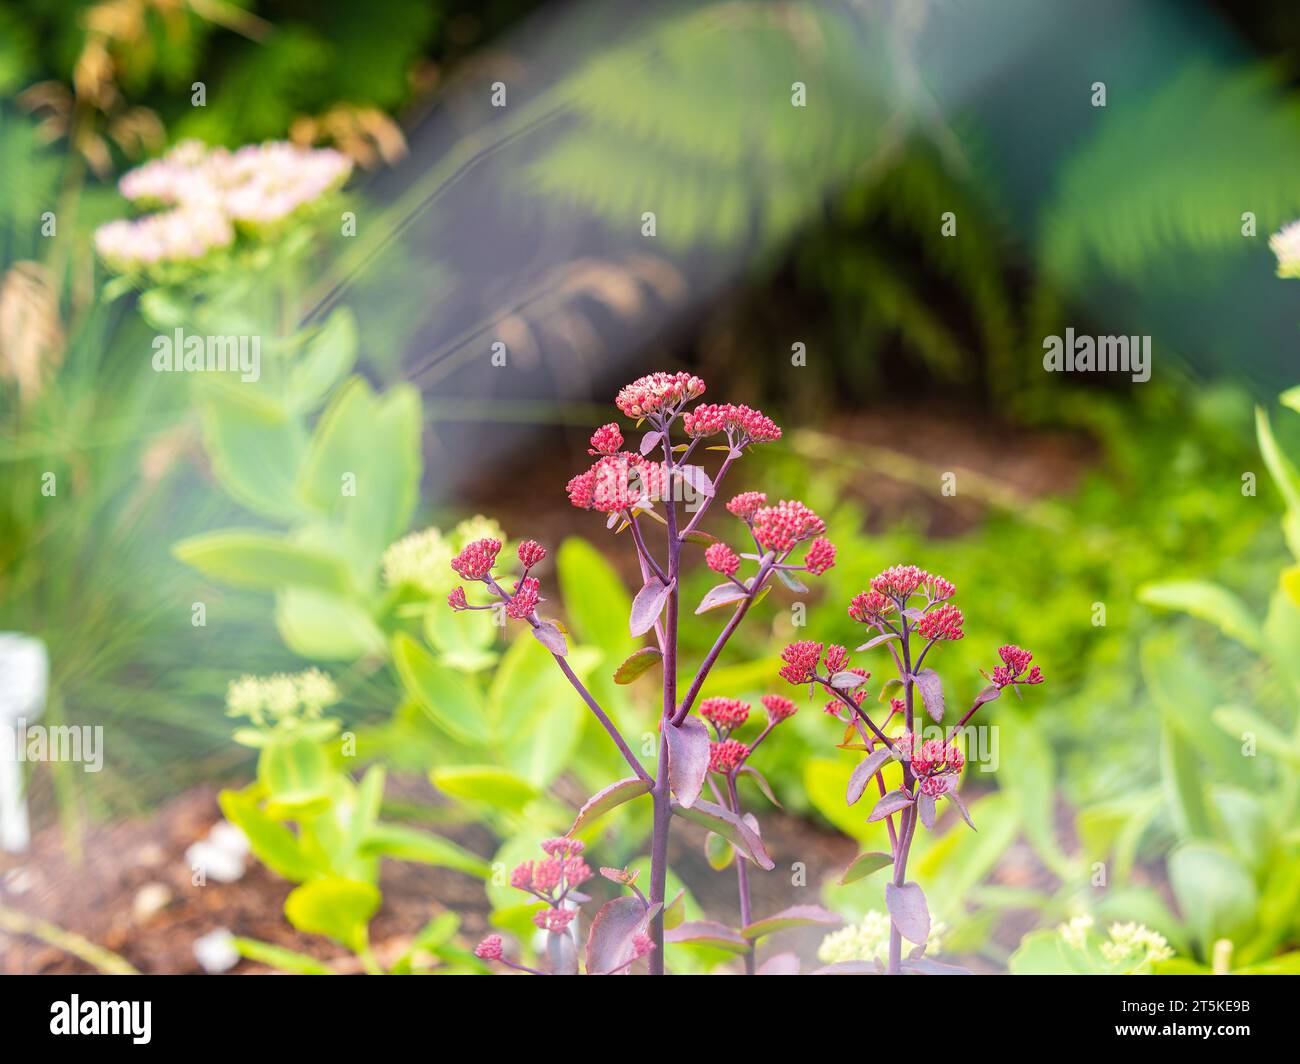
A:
[742,878]
[646,556]
[704,506]
[586,695]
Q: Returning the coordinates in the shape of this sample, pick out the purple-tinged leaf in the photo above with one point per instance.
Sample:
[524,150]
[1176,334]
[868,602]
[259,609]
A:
[925,810]
[725,823]
[792,582]
[637,663]
[720,596]
[926,966]
[698,479]
[707,933]
[647,606]
[650,441]
[931,688]
[890,803]
[688,758]
[913,613]
[956,800]
[908,910]
[675,911]
[866,769]
[610,945]
[608,798]
[763,785]
[702,538]
[847,681]
[779,964]
[549,635]
[988,694]
[795,916]
[864,865]
[871,644]
[848,968]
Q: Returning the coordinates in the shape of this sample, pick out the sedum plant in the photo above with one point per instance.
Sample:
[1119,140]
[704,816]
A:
[659,494]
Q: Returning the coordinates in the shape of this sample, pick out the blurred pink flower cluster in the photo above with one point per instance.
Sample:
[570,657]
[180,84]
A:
[203,195]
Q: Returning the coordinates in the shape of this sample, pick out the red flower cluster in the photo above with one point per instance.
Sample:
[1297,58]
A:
[900,582]
[778,708]
[742,424]
[820,556]
[524,601]
[477,559]
[1015,661]
[724,713]
[617,482]
[727,756]
[456,599]
[530,553]
[747,503]
[490,949]
[779,528]
[800,661]
[943,622]
[722,559]
[556,920]
[934,762]
[657,391]
[837,659]
[606,440]
[870,607]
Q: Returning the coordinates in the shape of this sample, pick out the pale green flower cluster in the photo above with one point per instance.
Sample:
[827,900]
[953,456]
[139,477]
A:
[282,697]
[1130,947]
[868,941]
[422,560]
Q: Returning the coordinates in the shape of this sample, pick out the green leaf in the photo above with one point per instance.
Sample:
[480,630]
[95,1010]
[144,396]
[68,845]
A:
[1214,891]
[340,909]
[485,783]
[1044,953]
[1208,602]
[718,851]
[406,844]
[296,775]
[1032,785]
[637,663]
[595,599]
[463,640]
[864,865]
[284,960]
[1240,722]
[263,560]
[453,700]
[1181,776]
[240,436]
[534,714]
[328,356]
[370,443]
[1279,465]
[320,626]
[271,842]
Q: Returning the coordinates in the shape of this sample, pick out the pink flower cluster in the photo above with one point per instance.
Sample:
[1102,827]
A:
[778,708]
[477,559]
[606,440]
[722,559]
[900,582]
[210,191]
[617,482]
[724,714]
[742,424]
[658,393]
[933,762]
[820,556]
[747,503]
[727,756]
[801,661]
[943,622]
[524,600]
[552,880]
[1014,663]
[781,527]
[530,553]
